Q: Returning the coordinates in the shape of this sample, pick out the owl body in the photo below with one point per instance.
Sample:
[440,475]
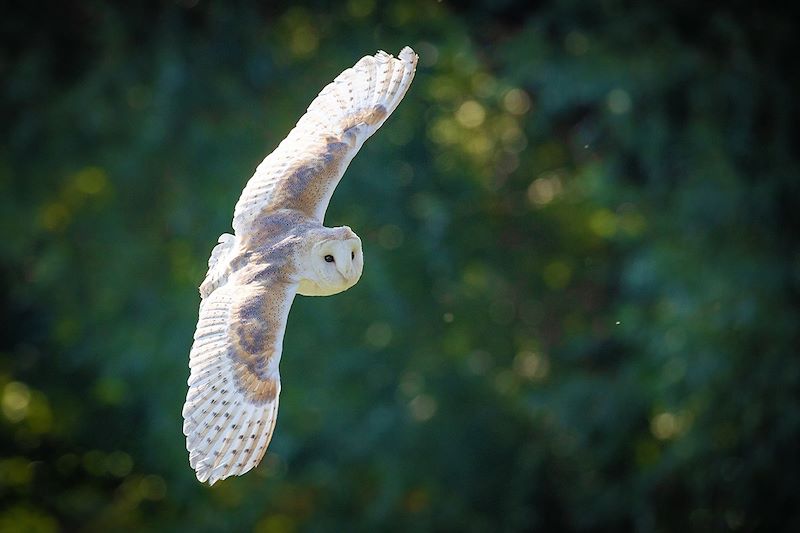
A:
[280,248]
[295,249]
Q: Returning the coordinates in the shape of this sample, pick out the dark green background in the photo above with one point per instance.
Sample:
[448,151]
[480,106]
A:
[579,310]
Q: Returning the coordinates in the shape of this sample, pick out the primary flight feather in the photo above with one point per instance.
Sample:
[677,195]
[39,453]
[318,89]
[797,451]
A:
[279,249]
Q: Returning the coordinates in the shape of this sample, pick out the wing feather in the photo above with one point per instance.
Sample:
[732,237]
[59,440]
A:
[305,168]
[234,384]
[232,402]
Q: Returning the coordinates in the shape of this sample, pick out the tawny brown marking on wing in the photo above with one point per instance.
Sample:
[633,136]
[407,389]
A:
[253,346]
[256,389]
[375,115]
[310,182]
[271,226]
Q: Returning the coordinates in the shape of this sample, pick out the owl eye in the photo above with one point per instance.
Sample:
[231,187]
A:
[329,258]
[352,255]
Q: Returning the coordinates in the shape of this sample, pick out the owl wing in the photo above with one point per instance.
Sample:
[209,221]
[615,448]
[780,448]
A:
[232,403]
[305,168]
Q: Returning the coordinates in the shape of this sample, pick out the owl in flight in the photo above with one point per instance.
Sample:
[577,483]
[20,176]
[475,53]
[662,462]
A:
[279,249]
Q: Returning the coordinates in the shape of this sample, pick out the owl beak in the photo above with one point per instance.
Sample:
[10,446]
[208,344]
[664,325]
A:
[347,265]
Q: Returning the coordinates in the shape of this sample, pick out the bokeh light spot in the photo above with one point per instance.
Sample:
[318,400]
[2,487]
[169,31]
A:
[378,335]
[557,274]
[423,407]
[302,39]
[667,425]
[40,416]
[443,131]
[478,145]
[647,452]
[505,382]
[402,13]
[16,401]
[303,42]
[276,523]
[360,8]
[15,472]
[411,383]
[90,180]
[110,390]
[619,101]
[531,366]
[119,463]
[28,519]
[632,223]
[471,114]
[153,487]
[603,223]
[517,102]
[513,139]
[544,189]
[428,53]
[53,216]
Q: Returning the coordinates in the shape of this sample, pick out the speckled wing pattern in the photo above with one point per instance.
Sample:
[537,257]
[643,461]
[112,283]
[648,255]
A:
[234,385]
[305,168]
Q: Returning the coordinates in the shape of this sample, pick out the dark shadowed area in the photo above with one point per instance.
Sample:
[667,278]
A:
[579,308]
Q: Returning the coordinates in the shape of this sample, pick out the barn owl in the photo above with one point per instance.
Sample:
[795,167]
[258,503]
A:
[279,248]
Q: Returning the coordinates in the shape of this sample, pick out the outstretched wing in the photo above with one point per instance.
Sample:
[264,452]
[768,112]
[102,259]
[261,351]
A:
[232,403]
[305,168]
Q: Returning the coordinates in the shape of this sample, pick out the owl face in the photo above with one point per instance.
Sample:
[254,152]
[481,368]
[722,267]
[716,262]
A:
[333,262]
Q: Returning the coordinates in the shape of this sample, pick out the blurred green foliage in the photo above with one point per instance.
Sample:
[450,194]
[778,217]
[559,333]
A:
[579,306]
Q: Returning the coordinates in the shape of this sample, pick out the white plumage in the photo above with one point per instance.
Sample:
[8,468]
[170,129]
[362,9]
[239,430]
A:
[378,80]
[279,249]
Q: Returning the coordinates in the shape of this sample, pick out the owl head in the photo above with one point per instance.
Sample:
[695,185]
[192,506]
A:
[332,262]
